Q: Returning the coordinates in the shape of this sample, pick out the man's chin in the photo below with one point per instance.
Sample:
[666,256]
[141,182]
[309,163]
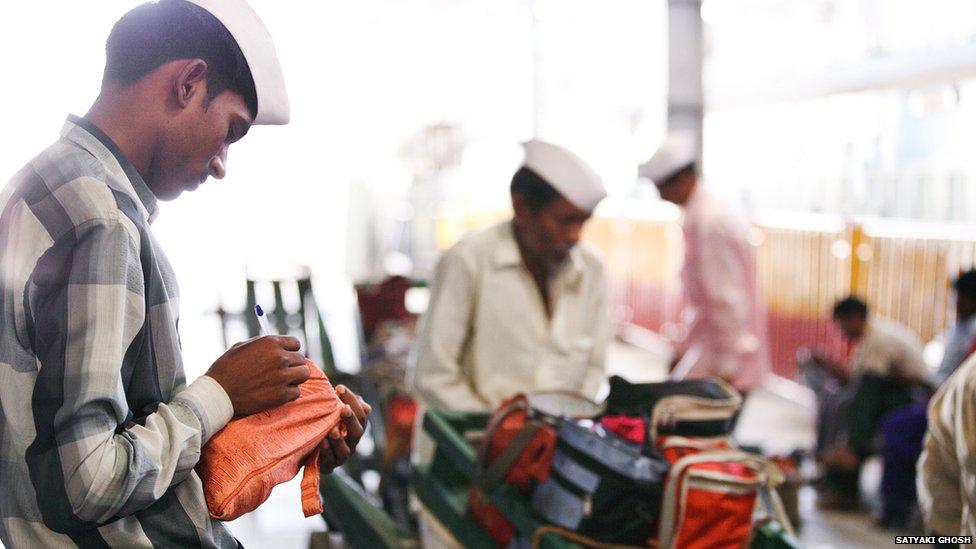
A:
[189,187]
[558,260]
[174,192]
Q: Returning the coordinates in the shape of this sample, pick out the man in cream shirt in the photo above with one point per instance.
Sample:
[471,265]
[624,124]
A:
[520,306]
[947,468]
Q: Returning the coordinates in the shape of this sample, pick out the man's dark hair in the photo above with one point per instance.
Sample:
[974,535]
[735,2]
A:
[690,168]
[965,284]
[159,32]
[535,190]
[851,306]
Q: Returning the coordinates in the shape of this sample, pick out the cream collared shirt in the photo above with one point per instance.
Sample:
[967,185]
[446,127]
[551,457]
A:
[947,468]
[885,344]
[486,334]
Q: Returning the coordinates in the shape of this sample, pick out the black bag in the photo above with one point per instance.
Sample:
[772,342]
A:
[601,486]
[695,408]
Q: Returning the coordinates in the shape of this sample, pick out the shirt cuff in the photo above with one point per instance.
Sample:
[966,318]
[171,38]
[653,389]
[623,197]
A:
[210,403]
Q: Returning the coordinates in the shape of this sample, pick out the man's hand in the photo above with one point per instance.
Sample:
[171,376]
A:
[335,450]
[904,375]
[910,378]
[820,360]
[261,373]
[675,359]
[841,457]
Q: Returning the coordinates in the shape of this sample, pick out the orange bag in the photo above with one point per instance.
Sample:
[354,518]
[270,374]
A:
[251,455]
[517,450]
[712,492]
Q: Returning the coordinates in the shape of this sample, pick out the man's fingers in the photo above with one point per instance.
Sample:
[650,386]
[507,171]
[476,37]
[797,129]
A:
[292,392]
[340,449]
[288,343]
[327,460]
[354,428]
[296,375]
[351,399]
[292,358]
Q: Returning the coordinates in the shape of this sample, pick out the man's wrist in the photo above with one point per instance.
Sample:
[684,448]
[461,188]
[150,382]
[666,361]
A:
[208,399]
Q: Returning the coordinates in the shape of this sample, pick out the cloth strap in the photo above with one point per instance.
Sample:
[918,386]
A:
[311,498]
[491,475]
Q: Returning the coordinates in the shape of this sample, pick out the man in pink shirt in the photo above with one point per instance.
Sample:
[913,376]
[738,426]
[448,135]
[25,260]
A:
[724,325]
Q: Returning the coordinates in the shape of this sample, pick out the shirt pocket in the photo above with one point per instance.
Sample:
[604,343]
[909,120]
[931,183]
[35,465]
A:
[583,344]
[576,352]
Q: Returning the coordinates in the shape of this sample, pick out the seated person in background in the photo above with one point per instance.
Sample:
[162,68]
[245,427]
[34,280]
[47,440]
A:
[959,339]
[883,371]
[520,306]
[904,428]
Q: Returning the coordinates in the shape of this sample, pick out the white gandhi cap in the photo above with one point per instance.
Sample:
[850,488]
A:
[259,51]
[678,151]
[575,180]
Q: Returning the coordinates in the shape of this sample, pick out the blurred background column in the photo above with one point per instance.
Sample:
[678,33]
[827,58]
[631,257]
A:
[685,105]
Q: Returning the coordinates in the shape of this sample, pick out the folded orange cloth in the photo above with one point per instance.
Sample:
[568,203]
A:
[251,455]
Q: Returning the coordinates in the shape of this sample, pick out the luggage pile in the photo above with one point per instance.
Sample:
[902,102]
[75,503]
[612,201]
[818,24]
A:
[654,466]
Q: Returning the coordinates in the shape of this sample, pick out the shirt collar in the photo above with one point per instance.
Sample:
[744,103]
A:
[507,254]
[871,327]
[696,199]
[88,136]
[969,324]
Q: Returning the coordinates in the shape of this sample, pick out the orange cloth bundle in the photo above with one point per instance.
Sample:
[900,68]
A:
[251,455]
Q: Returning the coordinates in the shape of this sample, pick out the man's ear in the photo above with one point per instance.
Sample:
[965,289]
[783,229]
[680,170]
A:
[190,82]
[521,207]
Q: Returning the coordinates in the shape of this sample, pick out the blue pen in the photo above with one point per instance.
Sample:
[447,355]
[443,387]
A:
[263,321]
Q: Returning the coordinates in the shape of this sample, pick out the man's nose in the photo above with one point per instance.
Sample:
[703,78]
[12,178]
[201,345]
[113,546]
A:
[573,235]
[218,164]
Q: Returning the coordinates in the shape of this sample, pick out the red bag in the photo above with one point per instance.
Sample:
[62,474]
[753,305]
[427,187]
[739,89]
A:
[632,429]
[517,450]
[400,418]
[489,517]
[711,493]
